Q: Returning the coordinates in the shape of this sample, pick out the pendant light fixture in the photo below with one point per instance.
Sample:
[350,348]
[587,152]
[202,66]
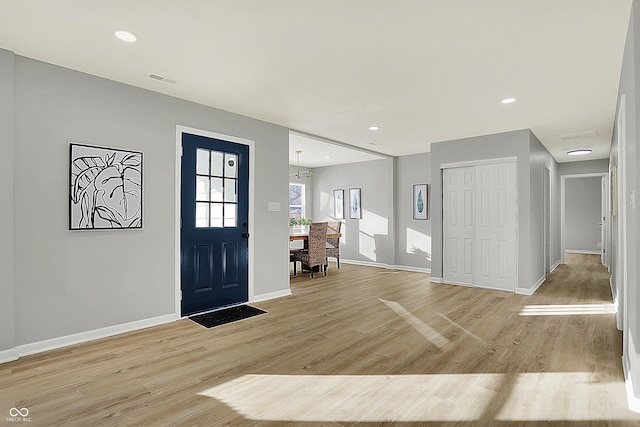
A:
[298,173]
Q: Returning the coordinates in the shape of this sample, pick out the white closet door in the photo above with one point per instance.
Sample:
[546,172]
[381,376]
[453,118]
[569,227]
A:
[458,219]
[495,231]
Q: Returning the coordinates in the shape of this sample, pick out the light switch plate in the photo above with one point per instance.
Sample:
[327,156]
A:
[273,207]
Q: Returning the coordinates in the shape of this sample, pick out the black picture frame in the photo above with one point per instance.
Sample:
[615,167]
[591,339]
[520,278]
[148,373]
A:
[420,201]
[105,188]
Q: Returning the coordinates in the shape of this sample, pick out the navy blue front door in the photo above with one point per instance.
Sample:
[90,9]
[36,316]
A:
[214,232]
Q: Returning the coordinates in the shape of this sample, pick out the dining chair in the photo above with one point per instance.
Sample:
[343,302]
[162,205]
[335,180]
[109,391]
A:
[333,243]
[315,254]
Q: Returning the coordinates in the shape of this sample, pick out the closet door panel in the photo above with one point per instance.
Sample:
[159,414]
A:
[495,232]
[458,225]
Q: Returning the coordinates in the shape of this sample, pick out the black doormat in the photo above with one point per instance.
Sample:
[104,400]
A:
[226,315]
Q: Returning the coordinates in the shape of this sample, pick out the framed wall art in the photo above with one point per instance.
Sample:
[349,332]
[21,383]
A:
[338,204]
[105,188]
[355,208]
[420,201]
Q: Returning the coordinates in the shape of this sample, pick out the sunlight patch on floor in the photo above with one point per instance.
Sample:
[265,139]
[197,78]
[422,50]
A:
[567,309]
[425,330]
[466,331]
[355,398]
[560,396]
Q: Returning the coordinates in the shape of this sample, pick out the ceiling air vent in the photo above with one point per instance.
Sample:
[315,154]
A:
[579,135]
[161,78]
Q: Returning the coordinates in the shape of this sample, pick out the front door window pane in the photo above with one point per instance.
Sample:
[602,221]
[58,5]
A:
[202,215]
[230,165]
[230,215]
[216,215]
[216,189]
[202,162]
[230,190]
[217,160]
[202,188]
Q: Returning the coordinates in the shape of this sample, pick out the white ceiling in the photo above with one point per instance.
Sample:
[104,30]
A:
[423,70]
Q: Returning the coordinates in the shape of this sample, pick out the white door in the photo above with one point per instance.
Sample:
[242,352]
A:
[458,225]
[495,233]
[479,225]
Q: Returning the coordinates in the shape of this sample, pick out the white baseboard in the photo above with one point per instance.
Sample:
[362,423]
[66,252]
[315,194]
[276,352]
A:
[580,251]
[435,279]
[271,295]
[554,266]
[364,263]
[387,266]
[8,355]
[412,269]
[632,400]
[37,347]
[533,289]
[466,285]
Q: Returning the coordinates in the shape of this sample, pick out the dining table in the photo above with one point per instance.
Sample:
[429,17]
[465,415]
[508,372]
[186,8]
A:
[305,237]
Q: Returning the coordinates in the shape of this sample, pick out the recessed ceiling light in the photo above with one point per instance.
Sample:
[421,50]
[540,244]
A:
[327,157]
[508,100]
[374,127]
[126,36]
[579,152]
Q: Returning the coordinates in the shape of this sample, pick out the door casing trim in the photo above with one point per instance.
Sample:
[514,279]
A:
[178,214]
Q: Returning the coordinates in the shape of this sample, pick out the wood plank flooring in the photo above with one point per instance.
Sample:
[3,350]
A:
[361,346]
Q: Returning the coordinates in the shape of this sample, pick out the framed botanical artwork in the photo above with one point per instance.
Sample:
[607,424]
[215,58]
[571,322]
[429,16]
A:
[338,204]
[105,188]
[420,201]
[355,208]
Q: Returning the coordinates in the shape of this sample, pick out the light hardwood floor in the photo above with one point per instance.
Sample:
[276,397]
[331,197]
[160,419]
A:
[360,346]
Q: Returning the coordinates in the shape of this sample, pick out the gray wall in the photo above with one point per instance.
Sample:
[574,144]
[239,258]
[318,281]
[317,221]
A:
[630,303]
[372,238]
[413,237]
[7,301]
[539,158]
[583,201]
[70,282]
[584,167]
[531,157]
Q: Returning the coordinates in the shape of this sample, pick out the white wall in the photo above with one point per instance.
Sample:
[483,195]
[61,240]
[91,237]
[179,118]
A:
[70,282]
[626,281]
[370,240]
[531,159]
[413,237]
[539,158]
[7,300]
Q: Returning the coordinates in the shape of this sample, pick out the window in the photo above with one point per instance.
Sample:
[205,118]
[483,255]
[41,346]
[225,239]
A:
[296,201]
[216,189]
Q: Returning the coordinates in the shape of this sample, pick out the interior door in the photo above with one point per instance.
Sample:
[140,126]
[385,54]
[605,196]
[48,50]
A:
[214,223]
[458,225]
[495,254]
